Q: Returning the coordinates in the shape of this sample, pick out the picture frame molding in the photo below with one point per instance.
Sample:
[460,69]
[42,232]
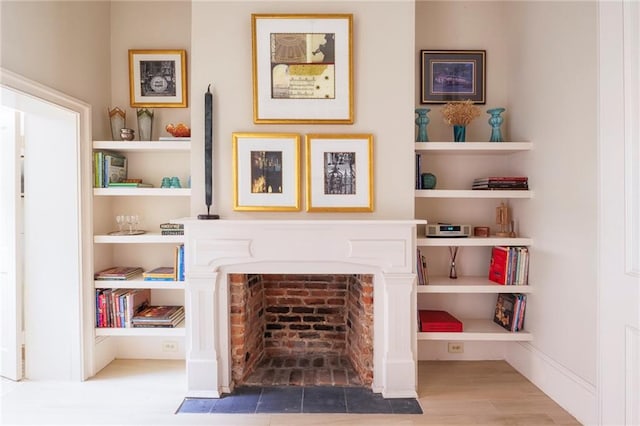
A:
[270,110]
[288,201]
[137,98]
[363,199]
[427,80]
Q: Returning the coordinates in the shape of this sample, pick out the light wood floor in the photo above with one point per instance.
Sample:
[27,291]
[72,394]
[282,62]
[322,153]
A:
[130,392]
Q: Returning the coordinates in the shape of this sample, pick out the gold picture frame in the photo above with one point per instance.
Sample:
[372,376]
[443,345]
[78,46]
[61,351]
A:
[339,172]
[302,68]
[266,172]
[158,78]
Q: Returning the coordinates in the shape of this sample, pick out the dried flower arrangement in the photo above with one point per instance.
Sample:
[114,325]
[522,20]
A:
[460,113]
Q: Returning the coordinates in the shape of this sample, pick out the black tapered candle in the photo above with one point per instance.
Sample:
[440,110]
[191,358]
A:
[208,153]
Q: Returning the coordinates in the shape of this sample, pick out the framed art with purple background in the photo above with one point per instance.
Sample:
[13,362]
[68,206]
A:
[452,75]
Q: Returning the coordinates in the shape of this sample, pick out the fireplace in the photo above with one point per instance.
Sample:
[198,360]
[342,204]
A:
[378,252]
[300,329]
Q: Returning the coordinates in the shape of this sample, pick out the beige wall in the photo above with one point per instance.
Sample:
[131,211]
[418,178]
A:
[384,92]
[48,42]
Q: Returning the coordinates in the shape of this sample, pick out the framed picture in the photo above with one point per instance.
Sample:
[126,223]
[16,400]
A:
[302,68]
[266,172]
[452,75]
[158,78]
[339,173]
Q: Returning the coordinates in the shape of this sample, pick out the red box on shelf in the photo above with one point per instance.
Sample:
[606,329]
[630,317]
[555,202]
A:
[438,321]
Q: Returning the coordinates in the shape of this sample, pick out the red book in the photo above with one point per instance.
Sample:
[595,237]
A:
[438,321]
[499,264]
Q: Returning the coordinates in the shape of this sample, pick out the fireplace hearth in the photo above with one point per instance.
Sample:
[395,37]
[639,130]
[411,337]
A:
[379,253]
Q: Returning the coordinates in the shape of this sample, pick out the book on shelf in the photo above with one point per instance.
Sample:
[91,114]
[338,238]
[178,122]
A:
[130,185]
[108,167]
[115,308]
[167,273]
[175,226]
[118,273]
[172,232]
[509,265]
[173,138]
[421,266]
[509,312]
[159,316]
[418,169]
[501,182]
[440,321]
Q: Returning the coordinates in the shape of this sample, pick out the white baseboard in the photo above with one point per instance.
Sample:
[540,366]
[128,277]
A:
[571,392]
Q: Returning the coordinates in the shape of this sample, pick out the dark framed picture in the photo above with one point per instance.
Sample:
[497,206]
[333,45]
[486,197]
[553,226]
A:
[339,172]
[452,75]
[158,78]
[266,172]
[302,68]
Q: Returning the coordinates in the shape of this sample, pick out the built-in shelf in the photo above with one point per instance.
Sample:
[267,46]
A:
[178,331]
[473,242]
[478,330]
[133,146]
[138,239]
[469,284]
[469,193]
[139,283]
[473,147]
[142,192]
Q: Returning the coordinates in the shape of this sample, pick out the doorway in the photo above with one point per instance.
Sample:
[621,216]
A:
[42,305]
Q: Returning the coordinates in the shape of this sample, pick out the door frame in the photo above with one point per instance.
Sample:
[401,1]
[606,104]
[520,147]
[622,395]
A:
[82,367]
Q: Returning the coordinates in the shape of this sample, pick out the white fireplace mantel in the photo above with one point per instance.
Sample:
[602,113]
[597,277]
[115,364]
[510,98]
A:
[383,248]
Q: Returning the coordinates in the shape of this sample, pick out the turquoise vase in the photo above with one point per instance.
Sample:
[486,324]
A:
[496,121]
[421,121]
[459,133]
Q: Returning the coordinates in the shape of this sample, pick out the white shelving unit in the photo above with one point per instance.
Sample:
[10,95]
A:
[474,329]
[150,161]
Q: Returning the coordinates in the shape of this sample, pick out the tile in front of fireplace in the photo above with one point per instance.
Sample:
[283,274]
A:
[324,399]
[244,399]
[280,399]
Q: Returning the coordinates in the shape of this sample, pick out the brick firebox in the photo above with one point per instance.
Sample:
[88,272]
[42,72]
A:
[275,315]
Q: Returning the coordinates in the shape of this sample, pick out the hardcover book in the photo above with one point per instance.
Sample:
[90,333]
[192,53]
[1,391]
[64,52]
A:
[509,312]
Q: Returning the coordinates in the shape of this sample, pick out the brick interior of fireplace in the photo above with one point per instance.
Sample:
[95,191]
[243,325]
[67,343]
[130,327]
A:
[301,329]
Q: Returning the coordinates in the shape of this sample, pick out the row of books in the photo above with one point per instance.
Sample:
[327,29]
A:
[172,229]
[108,167]
[509,265]
[117,307]
[509,313]
[421,263]
[502,182]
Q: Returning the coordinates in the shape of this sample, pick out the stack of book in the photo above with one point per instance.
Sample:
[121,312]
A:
[108,167]
[118,273]
[161,273]
[115,308]
[509,265]
[159,316]
[172,229]
[130,183]
[509,313]
[502,182]
[441,321]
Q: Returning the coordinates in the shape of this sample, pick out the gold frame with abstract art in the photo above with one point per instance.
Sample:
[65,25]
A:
[302,68]
[339,172]
[266,172]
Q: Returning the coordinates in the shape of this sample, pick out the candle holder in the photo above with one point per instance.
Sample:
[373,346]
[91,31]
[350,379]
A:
[208,154]
[453,253]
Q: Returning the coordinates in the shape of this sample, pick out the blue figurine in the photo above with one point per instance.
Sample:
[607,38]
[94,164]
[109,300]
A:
[496,121]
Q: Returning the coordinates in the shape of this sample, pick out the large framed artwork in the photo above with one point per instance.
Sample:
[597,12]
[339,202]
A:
[339,172]
[158,78]
[266,172]
[452,75]
[302,68]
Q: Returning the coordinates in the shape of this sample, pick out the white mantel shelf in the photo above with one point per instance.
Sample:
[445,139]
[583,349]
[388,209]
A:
[385,249]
